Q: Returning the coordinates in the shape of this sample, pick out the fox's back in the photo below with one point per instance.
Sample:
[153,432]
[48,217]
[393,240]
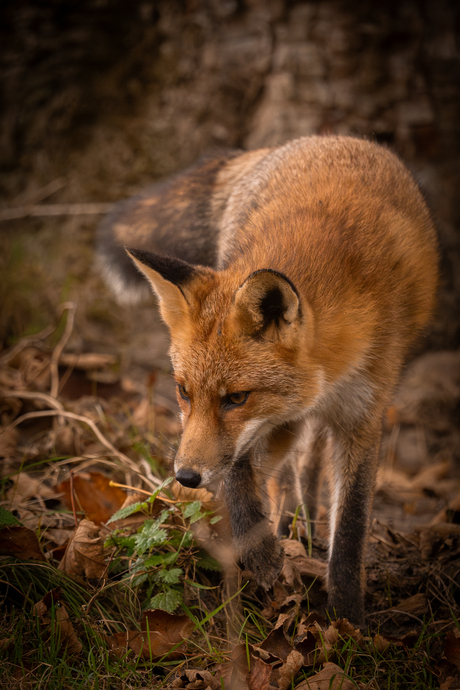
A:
[343,219]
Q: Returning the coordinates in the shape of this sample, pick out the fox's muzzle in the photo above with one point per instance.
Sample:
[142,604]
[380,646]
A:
[188,478]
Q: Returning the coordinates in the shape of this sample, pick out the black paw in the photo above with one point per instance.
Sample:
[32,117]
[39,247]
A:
[265,560]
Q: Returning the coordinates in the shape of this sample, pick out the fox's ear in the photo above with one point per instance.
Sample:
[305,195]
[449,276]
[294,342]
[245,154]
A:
[169,278]
[266,304]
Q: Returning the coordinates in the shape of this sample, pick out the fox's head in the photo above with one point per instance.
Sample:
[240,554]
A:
[239,348]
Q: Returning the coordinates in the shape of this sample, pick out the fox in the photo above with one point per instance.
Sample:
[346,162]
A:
[293,281]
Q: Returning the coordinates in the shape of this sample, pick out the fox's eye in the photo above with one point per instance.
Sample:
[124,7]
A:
[236,399]
[183,393]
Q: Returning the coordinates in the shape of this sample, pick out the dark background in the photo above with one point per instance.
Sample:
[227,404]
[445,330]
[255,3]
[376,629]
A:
[106,96]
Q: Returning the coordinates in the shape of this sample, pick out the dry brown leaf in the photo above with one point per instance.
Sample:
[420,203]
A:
[293,548]
[235,672]
[313,618]
[381,644]
[120,643]
[259,676]
[416,604]
[26,487]
[347,630]
[431,537]
[288,671]
[330,678]
[161,631]
[21,542]
[85,556]
[183,493]
[196,679]
[276,644]
[7,644]
[297,563]
[58,536]
[94,495]
[452,648]
[51,609]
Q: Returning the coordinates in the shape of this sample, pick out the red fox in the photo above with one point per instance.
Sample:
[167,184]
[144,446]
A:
[293,281]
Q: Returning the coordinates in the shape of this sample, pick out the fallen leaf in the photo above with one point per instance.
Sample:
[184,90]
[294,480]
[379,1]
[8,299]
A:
[347,630]
[85,556]
[293,548]
[93,495]
[51,610]
[160,633]
[452,648]
[259,676]
[7,644]
[330,678]
[184,493]
[196,679]
[313,618]
[415,604]
[288,671]
[26,487]
[21,542]
[276,644]
[237,678]
[297,563]
[381,644]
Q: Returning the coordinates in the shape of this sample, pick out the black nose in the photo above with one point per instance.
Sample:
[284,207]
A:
[188,478]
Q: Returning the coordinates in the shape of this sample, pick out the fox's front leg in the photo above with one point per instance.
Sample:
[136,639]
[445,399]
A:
[352,477]
[257,546]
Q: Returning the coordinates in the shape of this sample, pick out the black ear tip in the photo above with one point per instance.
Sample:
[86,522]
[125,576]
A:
[170,268]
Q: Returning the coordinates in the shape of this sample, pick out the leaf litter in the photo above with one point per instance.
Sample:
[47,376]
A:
[83,495]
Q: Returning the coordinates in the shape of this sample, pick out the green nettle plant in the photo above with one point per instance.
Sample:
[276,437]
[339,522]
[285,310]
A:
[158,554]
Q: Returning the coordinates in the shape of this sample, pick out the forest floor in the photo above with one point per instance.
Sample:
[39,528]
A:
[150,598]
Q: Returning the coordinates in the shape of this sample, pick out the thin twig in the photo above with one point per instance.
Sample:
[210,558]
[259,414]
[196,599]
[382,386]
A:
[26,342]
[54,210]
[70,307]
[71,415]
[29,395]
[39,195]
[72,499]
[141,491]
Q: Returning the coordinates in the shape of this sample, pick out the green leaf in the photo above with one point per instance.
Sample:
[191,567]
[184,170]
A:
[7,519]
[167,601]
[191,509]
[150,535]
[207,562]
[120,541]
[160,559]
[169,577]
[134,507]
[128,510]
[187,540]
[163,485]
[215,519]
[137,580]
